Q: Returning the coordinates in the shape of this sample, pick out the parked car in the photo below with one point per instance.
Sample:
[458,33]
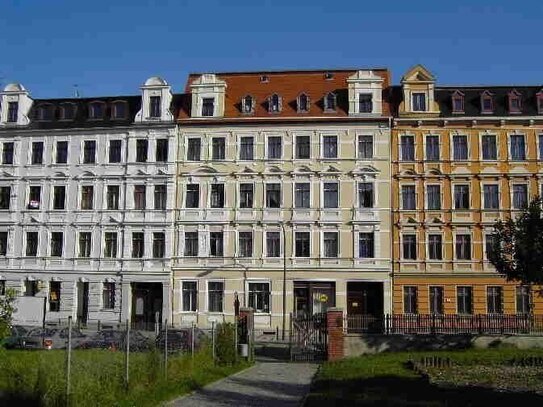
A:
[13,341]
[180,339]
[50,338]
[115,340]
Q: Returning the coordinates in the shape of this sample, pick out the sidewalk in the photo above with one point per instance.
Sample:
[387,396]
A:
[265,384]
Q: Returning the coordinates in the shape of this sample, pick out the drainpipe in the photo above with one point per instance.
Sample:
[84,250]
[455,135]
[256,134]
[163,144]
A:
[175,223]
[122,224]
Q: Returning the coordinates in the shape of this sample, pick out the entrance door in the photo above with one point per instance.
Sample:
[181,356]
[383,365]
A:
[82,302]
[364,306]
[312,298]
[146,305]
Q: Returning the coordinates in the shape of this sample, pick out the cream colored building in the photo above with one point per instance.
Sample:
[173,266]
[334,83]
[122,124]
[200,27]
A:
[283,189]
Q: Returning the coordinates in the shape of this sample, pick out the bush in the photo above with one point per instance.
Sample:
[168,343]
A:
[225,350]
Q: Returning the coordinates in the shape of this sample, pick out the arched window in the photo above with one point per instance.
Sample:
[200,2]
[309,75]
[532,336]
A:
[457,102]
[330,102]
[487,102]
[119,110]
[515,101]
[67,111]
[248,104]
[539,97]
[96,110]
[303,103]
[274,103]
[45,112]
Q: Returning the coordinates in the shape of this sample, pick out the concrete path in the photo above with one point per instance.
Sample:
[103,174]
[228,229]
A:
[265,384]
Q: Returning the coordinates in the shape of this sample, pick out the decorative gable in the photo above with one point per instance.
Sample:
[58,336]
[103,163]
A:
[16,104]
[365,93]
[156,100]
[418,86]
[208,96]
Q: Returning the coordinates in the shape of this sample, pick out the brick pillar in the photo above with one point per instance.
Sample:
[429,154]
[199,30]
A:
[334,324]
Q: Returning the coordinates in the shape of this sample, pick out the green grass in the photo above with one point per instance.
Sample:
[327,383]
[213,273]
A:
[387,380]
[39,378]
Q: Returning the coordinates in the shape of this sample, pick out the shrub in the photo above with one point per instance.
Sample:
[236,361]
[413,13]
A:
[225,350]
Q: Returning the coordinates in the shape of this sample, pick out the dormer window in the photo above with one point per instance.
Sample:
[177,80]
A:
[96,110]
[264,79]
[67,111]
[330,102]
[45,113]
[248,104]
[487,102]
[419,102]
[539,97]
[208,105]
[13,111]
[328,76]
[457,102]
[154,106]
[274,103]
[515,101]
[118,111]
[365,103]
[303,103]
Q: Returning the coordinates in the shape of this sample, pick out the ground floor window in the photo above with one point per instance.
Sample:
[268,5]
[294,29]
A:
[313,297]
[54,296]
[436,300]
[2,287]
[410,296]
[259,297]
[464,300]
[494,297]
[108,295]
[215,291]
[190,295]
[523,299]
[31,288]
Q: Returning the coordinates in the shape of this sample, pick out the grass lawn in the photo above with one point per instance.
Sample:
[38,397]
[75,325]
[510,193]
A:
[387,380]
[37,378]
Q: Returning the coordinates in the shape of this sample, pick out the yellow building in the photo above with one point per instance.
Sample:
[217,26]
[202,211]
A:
[462,157]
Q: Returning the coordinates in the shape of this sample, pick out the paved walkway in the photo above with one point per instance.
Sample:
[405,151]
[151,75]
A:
[265,384]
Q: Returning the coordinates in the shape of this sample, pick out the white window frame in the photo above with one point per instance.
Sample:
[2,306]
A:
[426,202]
[238,246]
[108,148]
[483,201]
[400,150]
[427,245]
[330,181]
[260,281]
[481,135]
[216,280]
[512,184]
[417,250]
[471,244]
[470,191]
[357,195]
[322,251]
[266,150]
[414,184]
[265,242]
[188,280]
[44,152]
[321,145]
[357,147]
[311,190]
[509,156]
[297,230]
[440,155]
[96,151]
[238,155]
[54,152]
[202,148]
[452,136]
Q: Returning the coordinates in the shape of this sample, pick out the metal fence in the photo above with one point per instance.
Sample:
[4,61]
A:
[391,324]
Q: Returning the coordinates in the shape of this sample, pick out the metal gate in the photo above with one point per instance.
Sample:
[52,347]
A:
[308,338]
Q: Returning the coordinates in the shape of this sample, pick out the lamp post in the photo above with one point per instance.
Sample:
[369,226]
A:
[284,279]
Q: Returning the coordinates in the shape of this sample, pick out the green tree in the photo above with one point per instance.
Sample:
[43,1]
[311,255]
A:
[517,245]
[7,308]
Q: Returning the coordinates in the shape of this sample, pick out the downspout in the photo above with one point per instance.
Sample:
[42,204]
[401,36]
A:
[175,222]
[123,217]
[391,198]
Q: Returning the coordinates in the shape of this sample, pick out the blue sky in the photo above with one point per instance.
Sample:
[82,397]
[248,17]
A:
[111,47]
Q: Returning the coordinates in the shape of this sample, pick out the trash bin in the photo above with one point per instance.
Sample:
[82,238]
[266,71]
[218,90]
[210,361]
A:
[243,350]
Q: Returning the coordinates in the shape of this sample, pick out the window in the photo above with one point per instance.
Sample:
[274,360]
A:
[432,148]
[273,244]
[154,106]
[34,197]
[435,247]
[54,296]
[303,147]
[59,197]
[407,147]
[436,300]
[96,110]
[61,152]
[331,195]
[31,288]
[87,197]
[273,195]
[193,196]
[7,153]
[110,247]
[524,298]
[215,291]
[490,151]
[139,197]
[112,197]
[194,149]
[5,197]
[329,146]
[365,103]
[410,247]
[13,112]
[138,245]
[142,146]
[419,102]
[259,297]
[246,151]
[161,154]
[365,147]
[208,105]
[274,147]
[3,247]
[331,244]
[115,151]
[458,102]
[302,248]
[216,244]
[302,198]
[159,245]
[520,196]
[366,245]
[190,295]
[245,244]
[487,104]
[433,197]
[218,148]
[37,153]
[108,295]
[461,196]
[89,152]
[365,195]
[490,241]
[2,287]
[539,96]
[160,197]
[67,112]
[45,113]
[464,300]
[408,197]
[330,102]
[217,196]
[191,244]
[119,110]
[460,147]
[540,138]
[57,240]
[410,300]
[247,104]
[494,300]
[491,198]
[515,102]
[303,103]
[85,244]
[463,247]
[517,148]
[245,195]
[274,103]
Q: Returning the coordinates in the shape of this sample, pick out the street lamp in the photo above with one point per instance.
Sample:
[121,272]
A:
[284,278]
